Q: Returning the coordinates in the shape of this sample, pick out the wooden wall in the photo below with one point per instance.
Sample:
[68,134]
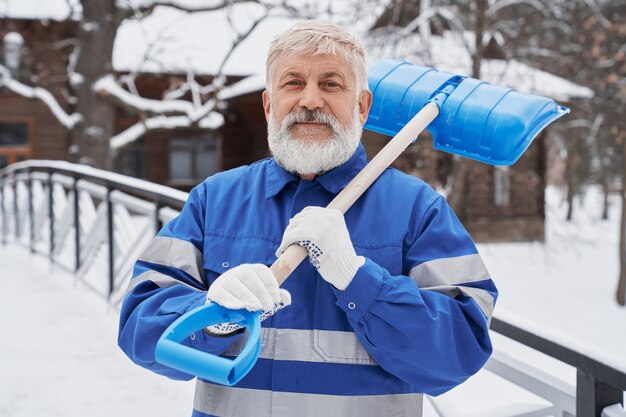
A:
[48,138]
[242,139]
[520,220]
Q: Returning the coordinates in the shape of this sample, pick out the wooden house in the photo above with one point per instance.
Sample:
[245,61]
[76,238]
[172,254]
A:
[500,204]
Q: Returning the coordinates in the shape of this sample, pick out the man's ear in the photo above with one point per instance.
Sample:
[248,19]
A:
[266,105]
[365,103]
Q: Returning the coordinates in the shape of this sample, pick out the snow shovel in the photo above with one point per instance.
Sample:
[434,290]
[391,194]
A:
[465,116]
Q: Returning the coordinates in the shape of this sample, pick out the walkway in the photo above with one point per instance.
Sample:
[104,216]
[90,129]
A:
[58,355]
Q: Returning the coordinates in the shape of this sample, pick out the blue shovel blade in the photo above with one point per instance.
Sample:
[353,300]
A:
[477,120]
[171,352]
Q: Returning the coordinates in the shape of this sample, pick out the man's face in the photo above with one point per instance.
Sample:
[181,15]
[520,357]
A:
[325,83]
[314,113]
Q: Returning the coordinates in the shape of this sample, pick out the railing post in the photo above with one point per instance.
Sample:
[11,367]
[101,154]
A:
[18,231]
[31,211]
[51,213]
[157,220]
[592,395]
[76,224]
[3,211]
[110,240]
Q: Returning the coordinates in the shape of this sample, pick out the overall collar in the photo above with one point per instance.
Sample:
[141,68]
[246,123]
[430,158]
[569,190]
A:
[332,181]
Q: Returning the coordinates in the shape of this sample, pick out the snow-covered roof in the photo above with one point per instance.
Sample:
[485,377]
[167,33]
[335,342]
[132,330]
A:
[525,78]
[448,53]
[40,9]
[171,40]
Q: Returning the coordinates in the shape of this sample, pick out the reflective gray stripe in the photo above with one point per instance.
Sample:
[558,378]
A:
[482,297]
[441,275]
[308,346]
[175,253]
[241,402]
[450,271]
[162,280]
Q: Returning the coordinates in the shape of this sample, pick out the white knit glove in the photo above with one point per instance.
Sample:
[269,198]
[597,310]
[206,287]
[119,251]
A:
[249,286]
[323,233]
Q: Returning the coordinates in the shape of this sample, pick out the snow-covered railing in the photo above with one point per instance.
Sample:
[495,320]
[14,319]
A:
[96,223]
[89,221]
[600,378]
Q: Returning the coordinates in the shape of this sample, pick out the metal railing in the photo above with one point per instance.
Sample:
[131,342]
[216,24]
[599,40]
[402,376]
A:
[92,222]
[599,386]
[96,223]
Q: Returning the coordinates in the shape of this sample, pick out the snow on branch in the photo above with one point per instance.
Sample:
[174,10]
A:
[67,120]
[108,85]
[206,6]
[502,4]
[204,117]
[212,121]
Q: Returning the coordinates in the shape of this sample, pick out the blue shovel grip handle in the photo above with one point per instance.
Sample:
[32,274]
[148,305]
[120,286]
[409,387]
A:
[169,350]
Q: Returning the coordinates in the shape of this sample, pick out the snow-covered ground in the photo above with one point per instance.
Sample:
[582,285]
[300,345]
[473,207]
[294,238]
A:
[58,355]
[566,287]
[562,289]
[58,350]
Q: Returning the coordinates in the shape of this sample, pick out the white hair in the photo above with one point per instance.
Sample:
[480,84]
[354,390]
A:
[319,38]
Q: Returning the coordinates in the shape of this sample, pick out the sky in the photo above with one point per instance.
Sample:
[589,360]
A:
[59,356]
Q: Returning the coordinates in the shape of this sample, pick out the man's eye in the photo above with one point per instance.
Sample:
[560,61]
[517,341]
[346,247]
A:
[293,83]
[332,84]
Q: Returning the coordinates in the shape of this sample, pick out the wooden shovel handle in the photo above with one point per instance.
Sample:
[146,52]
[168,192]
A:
[291,258]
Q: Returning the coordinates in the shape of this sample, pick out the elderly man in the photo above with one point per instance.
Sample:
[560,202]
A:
[395,300]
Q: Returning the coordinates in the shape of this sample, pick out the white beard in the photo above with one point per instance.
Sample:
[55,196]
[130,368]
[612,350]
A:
[306,157]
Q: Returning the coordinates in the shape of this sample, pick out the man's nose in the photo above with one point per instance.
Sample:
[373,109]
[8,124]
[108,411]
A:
[311,97]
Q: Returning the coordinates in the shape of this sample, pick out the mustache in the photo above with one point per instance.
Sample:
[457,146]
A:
[311,116]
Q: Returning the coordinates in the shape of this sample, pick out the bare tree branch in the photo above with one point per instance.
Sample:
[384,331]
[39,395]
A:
[499,5]
[67,120]
[210,120]
[108,86]
[211,7]
[74,9]
[240,38]
[593,5]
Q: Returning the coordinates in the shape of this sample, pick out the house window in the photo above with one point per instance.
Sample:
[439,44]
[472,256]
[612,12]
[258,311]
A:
[131,161]
[14,142]
[192,159]
[502,186]
[13,134]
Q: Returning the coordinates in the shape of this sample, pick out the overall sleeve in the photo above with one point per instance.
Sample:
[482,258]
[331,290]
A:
[430,326]
[168,281]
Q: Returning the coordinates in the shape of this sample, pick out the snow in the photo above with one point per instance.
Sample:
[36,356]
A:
[247,85]
[448,53]
[59,356]
[505,399]
[67,120]
[158,44]
[13,37]
[565,288]
[62,357]
[211,121]
[103,175]
[527,79]
[37,9]
[110,86]
[170,40]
